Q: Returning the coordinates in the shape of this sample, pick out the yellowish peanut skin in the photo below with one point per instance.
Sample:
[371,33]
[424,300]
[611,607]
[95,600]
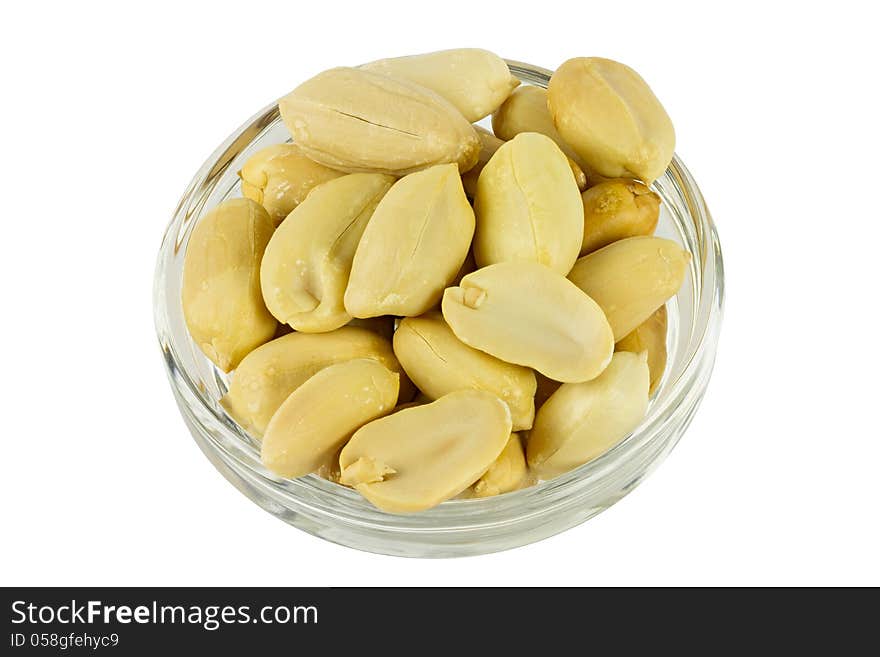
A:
[631,278]
[307,263]
[475,81]
[489,144]
[527,206]
[507,473]
[617,209]
[270,373]
[222,304]
[355,120]
[307,431]
[279,178]
[438,363]
[527,314]
[526,110]
[610,117]
[413,246]
[581,421]
[649,336]
[419,457]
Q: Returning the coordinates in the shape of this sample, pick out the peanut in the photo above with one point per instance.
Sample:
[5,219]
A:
[419,457]
[439,363]
[267,376]
[414,245]
[307,431]
[649,336]
[611,118]
[525,313]
[527,206]
[507,473]
[475,81]
[307,263]
[617,209]
[280,177]
[222,304]
[631,278]
[355,120]
[581,421]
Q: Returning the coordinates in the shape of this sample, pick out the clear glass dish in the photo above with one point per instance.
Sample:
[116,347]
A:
[456,527]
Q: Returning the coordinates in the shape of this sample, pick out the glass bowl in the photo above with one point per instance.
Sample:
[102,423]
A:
[456,527]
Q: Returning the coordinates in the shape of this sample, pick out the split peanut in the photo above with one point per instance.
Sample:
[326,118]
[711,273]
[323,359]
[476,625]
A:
[632,278]
[267,376]
[310,427]
[307,263]
[439,363]
[611,118]
[421,456]
[580,421]
[280,177]
[356,120]
[221,299]
[412,248]
[525,313]
[527,206]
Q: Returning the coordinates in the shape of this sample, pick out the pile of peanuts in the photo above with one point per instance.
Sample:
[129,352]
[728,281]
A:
[419,308]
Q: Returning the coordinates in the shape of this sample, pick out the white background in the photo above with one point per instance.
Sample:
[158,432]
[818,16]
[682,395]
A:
[109,109]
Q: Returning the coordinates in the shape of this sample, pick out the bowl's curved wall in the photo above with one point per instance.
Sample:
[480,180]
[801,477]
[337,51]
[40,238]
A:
[457,527]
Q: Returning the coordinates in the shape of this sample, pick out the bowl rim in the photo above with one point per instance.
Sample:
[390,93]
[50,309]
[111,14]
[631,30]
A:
[323,497]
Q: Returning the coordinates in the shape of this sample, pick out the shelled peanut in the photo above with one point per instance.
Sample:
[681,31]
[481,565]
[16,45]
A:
[436,348]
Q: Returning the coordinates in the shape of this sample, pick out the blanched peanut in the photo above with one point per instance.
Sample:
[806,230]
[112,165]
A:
[439,363]
[581,421]
[649,336]
[222,304]
[415,243]
[631,278]
[419,457]
[267,376]
[279,177]
[307,431]
[475,81]
[307,263]
[611,118]
[355,120]
[507,473]
[527,206]
[526,111]
[525,313]
[617,209]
